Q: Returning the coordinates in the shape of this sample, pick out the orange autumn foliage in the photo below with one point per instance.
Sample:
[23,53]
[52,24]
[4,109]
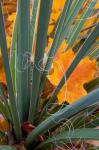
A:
[56,10]
[2,74]
[73,88]
[4,126]
[9,6]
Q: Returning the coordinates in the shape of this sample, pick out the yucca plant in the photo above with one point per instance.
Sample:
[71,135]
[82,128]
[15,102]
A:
[36,121]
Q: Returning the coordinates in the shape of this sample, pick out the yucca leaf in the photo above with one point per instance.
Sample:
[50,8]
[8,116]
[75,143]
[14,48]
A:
[64,114]
[2,134]
[82,39]
[8,77]
[73,135]
[13,50]
[85,47]
[5,102]
[78,45]
[45,8]
[22,59]
[78,26]
[33,22]
[3,110]
[71,17]
[69,8]
[62,35]
[55,42]
[33,32]
[93,124]
[5,147]
[92,85]
[92,48]
[81,119]
[14,37]
[95,53]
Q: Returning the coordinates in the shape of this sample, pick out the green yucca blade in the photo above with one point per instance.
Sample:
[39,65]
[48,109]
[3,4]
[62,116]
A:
[78,26]
[55,30]
[22,59]
[12,102]
[21,106]
[73,135]
[72,12]
[92,84]
[70,8]
[2,134]
[87,44]
[93,48]
[4,99]
[95,53]
[3,111]
[78,45]
[93,124]
[5,147]
[33,22]
[56,39]
[14,37]
[70,19]
[45,8]
[61,36]
[80,119]
[64,114]
[13,50]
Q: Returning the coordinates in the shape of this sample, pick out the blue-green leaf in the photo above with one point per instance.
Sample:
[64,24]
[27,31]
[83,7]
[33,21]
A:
[5,59]
[73,135]
[64,114]
[45,8]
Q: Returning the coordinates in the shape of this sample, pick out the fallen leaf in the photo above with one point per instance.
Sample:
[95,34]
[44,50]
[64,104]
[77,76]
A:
[73,88]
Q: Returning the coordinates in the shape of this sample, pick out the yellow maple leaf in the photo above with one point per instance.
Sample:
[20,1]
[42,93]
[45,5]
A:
[73,88]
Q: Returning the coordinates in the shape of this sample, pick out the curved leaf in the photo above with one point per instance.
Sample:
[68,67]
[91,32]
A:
[6,148]
[73,135]
[65,113]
